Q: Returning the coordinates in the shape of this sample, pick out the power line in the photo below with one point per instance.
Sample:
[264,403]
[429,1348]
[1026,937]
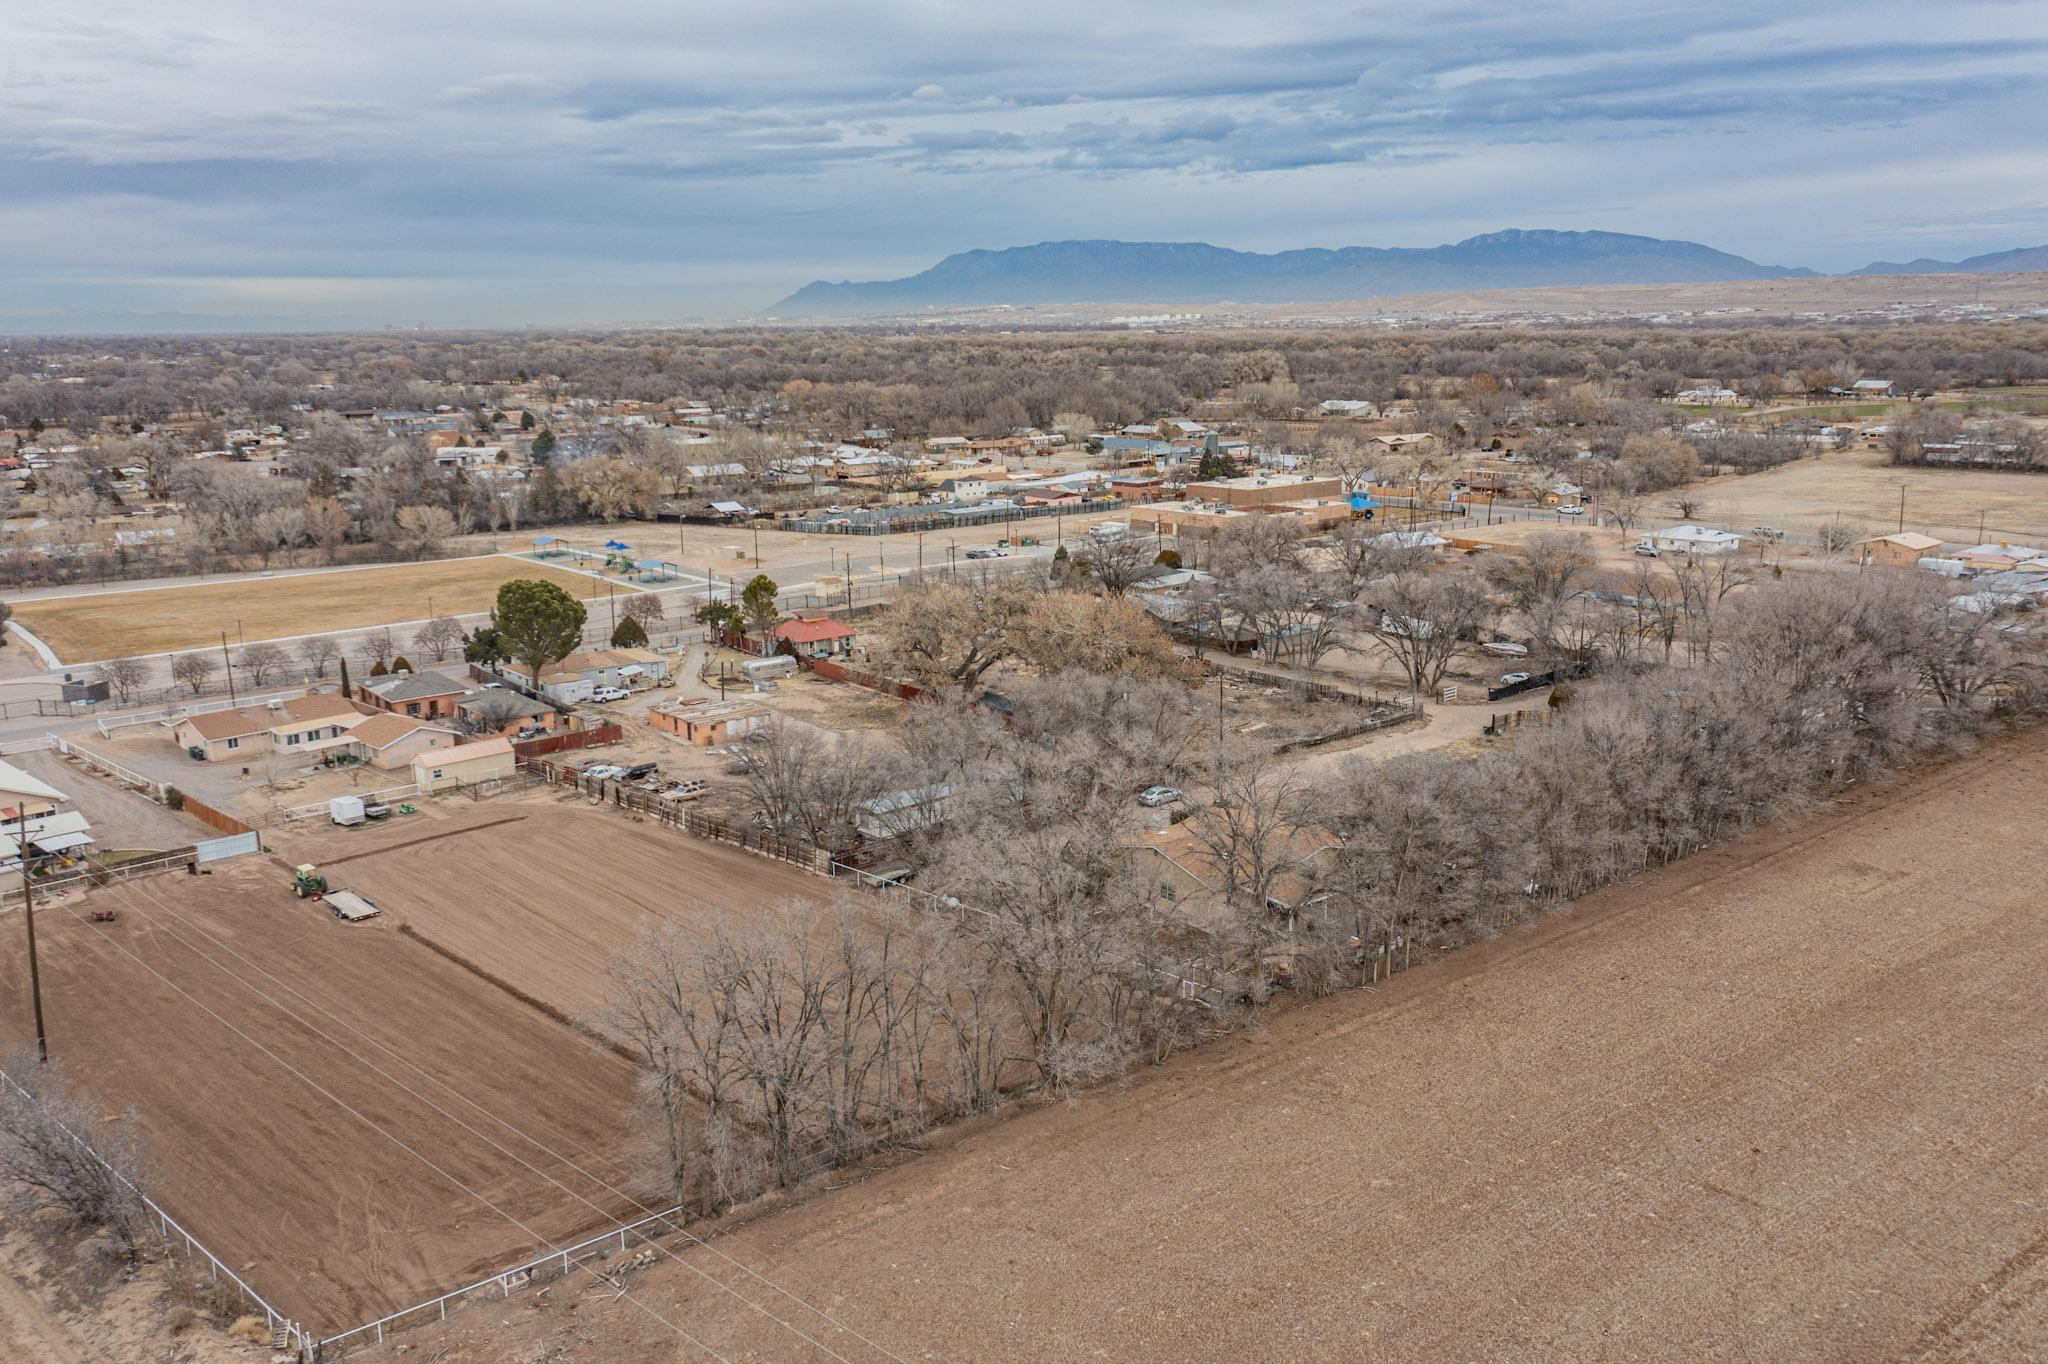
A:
[516,1131]
[338,1102]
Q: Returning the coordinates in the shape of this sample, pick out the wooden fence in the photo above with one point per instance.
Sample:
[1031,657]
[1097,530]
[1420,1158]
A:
[213,818]
[556,743]
[677,815]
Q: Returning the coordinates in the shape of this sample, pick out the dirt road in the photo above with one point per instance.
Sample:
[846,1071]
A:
[1780,1102]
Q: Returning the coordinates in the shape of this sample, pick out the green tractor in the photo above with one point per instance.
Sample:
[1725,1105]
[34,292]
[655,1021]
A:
[307,882]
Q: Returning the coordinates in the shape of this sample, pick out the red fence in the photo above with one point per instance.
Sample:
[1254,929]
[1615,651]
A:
[839,672]
[555,743]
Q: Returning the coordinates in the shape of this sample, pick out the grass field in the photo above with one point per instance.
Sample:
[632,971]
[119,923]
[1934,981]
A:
[1862,489]
[115,624]
[1780,1101]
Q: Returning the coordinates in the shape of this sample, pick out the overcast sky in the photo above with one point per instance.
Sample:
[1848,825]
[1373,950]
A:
[460,164]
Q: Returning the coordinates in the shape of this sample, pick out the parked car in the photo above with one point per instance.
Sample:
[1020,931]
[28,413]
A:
[610,694]
[1571,511]
[1648,551]
[1158,795]
[604,772]
[1512,679]
[639,770]
[1767,532]
[984,553]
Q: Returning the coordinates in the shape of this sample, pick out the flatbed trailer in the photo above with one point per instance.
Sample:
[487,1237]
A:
[351,907]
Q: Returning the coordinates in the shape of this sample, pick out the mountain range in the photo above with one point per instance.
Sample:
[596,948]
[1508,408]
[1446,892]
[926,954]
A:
[1196,272]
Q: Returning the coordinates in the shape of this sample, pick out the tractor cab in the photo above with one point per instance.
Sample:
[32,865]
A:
[307,882]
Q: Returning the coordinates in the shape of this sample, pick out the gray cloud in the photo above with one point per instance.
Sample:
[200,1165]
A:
[621,163]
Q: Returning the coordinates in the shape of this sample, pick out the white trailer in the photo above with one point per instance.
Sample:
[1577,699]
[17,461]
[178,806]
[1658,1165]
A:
[346,810]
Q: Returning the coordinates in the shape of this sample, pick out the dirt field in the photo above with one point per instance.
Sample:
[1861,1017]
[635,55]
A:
[1781,1102]
[113,624]
[331,1107]
[1864,490]
[551,891]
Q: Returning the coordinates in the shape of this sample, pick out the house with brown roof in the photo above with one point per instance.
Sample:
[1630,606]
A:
[1902,550]
[392,741]
[486,760]
[306,724]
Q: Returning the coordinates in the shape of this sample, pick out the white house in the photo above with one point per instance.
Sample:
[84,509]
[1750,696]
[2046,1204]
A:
[1347,407]
[1691,539]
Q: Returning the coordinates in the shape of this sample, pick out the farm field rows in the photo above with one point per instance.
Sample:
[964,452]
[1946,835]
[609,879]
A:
[1779,1101]
[113,624]
[551,891]
[332,1108]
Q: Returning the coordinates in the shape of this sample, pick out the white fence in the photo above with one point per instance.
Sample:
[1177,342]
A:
[150,785]
[301,1343]
[42,745]
[318,808]
[171,715]
[504,1281]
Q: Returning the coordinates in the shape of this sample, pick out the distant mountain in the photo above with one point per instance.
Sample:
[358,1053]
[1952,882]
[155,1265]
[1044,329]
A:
[1998,262]
[1195,272]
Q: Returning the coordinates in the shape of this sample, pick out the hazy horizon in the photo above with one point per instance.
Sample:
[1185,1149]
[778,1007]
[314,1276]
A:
[399,166]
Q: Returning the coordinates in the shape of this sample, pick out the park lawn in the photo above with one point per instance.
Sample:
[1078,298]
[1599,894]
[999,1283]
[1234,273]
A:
[157,620]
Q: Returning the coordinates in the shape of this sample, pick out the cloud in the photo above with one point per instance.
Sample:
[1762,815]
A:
[529,169]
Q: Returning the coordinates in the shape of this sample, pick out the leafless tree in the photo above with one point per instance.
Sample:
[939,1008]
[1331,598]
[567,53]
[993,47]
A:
[439,637]
[124,675]
[1425,619]
[193,670]
[262,661]
[317,651]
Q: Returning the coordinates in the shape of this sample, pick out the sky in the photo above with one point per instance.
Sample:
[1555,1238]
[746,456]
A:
[450,163]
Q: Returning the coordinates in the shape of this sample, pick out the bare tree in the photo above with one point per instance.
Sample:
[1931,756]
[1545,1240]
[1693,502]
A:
[317,651]
[1117,565]
[124,675]
[262,661]
[193,670]
[1425,619]
[439,637]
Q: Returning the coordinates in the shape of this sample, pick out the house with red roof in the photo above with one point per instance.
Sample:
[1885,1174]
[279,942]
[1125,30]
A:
[816,637]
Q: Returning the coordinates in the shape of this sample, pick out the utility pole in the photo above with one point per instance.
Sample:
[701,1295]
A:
[1902,509]
[230,664]
[28,919]
[757,546]
[920,554]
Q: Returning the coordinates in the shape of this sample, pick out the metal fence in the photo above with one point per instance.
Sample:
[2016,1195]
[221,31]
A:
[314,809]
[100,873]
[554,1262]
[301,1343]
[914,519]
[221,849]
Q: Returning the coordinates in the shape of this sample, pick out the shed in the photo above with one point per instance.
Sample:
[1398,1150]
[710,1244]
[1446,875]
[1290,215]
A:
[468,765]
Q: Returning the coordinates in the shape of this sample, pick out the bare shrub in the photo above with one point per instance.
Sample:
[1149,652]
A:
[59,1156]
